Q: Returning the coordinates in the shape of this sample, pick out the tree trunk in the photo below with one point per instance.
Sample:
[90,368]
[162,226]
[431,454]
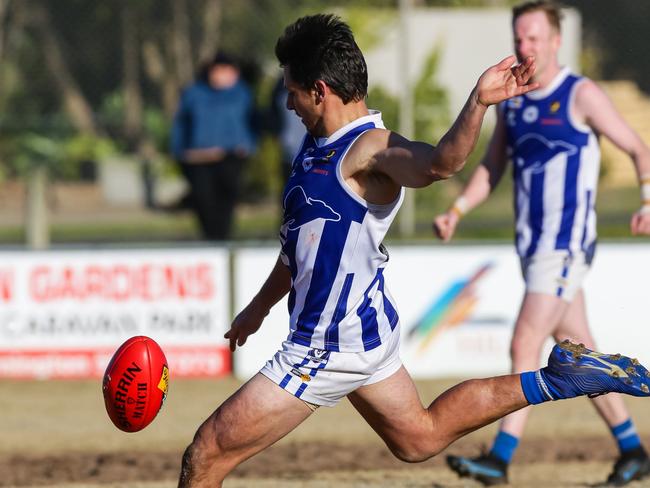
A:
[182,47]
[133,111]
[74,102]
[4,9]
[37,229]
[212,14]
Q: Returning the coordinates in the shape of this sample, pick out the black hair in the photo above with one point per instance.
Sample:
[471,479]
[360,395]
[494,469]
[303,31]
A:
[322,47]
[220,57]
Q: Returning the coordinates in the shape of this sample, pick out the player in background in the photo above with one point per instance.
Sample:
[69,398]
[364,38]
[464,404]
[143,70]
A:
[345,188]
[551,136]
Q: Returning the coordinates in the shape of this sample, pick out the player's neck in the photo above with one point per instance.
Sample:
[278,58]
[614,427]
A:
[342,115]
[546,78]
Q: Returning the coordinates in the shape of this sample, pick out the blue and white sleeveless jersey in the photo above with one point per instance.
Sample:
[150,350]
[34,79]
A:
[332,243]
[555,168]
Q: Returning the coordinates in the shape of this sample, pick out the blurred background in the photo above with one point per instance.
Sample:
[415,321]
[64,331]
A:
[98,242]
[89,89]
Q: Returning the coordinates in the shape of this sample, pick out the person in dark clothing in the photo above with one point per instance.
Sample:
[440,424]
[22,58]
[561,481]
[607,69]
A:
[212,137]
[286,126]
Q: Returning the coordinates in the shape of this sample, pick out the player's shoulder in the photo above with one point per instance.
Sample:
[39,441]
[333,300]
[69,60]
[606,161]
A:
[372,141]
[587,86]
[366,147]
[588,92]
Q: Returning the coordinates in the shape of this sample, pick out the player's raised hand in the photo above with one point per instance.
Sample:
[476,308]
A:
[503,81]
[444,225]
[640,223]
[246,323]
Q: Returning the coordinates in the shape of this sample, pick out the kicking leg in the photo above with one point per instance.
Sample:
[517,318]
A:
[257,415]
[413,433]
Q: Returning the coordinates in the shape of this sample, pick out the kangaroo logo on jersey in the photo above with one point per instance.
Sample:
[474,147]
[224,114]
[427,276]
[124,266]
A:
[301,209]
[535,151]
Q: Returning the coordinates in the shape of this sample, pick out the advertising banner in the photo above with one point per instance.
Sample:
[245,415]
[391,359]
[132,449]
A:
[458,306]
[252,267]
[64,313]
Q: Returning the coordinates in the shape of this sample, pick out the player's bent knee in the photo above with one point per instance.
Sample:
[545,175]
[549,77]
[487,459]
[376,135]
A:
[204,451]
[415,452]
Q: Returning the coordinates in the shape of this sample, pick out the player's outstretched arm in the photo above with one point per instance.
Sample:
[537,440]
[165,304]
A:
[595,108]
[417,164]
[496,84]
[249,320]
[484,179]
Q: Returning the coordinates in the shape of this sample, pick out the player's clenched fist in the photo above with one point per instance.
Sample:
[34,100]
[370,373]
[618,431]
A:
[640,223]
[246,323]
[444,225]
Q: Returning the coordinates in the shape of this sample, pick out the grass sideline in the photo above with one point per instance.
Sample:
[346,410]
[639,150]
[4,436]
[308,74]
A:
[491,221]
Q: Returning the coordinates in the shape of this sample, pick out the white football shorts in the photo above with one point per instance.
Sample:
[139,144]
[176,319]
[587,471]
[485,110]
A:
[323,378]
[558,273]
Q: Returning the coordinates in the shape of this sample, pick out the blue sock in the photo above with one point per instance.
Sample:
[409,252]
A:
[504,446]
[626,436]
[536,388]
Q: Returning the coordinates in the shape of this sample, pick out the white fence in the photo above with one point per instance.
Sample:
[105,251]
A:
[63,313]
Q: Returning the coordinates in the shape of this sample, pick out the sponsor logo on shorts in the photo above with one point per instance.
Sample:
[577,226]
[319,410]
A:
[303,376]
[318,355]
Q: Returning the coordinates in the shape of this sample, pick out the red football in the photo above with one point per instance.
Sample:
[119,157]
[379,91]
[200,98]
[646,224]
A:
[135,383]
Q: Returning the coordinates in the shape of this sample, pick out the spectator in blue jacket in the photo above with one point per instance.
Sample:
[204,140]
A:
[212,137]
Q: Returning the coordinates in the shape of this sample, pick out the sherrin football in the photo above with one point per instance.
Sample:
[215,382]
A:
[135,384]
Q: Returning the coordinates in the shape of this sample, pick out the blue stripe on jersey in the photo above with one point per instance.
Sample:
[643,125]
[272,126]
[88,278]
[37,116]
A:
[332,332]
[368,316]
[389,310]
[328,253]
[570,202]
[300,390]
[285,380]
[586,225]
[536,211]
[289,249]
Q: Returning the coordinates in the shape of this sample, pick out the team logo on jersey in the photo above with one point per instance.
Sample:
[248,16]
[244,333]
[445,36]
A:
[555,106]
[515,102]
[301,209]
[530,114]
[309,162]
[535,151]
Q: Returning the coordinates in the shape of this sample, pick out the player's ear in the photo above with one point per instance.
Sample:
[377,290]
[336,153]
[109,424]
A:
[320,89]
